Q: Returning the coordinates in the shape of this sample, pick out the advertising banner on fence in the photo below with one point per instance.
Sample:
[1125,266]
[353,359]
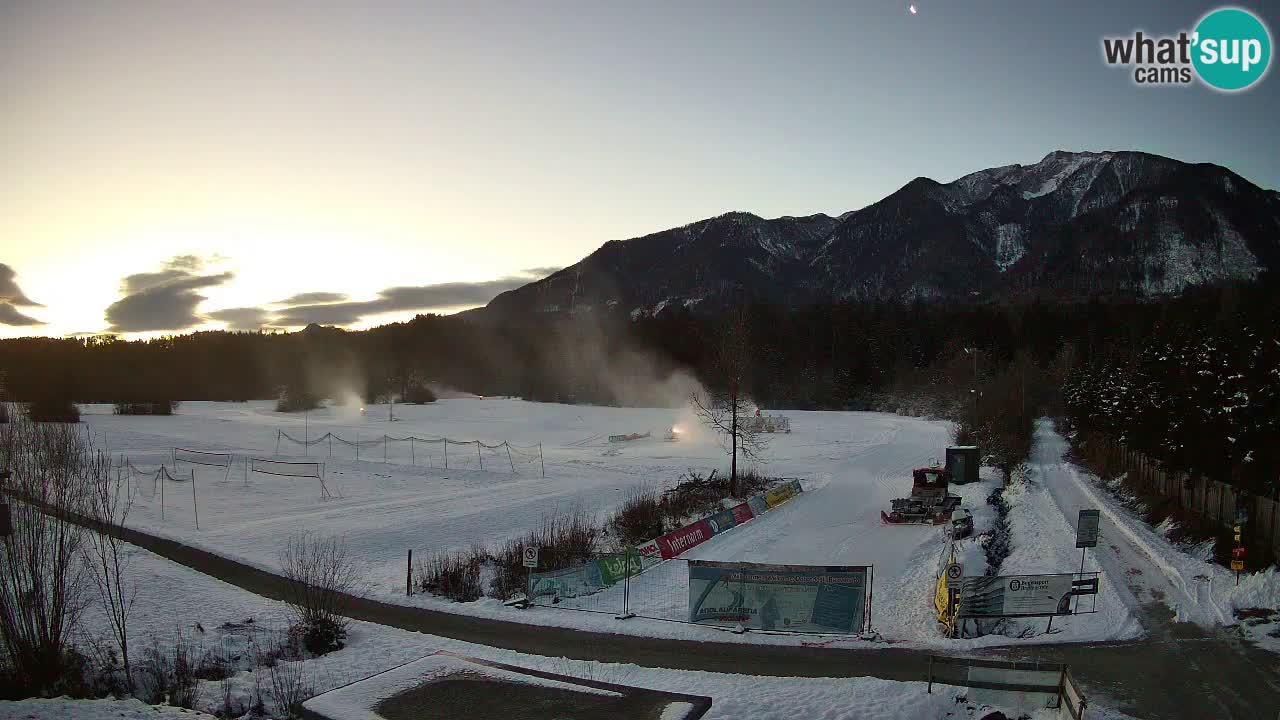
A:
[721,521]
[572,581]
[742,513]
[618,566]
[650,554]
[799,598]
[1015,596]
[677,541]
[782,493]
[758,505]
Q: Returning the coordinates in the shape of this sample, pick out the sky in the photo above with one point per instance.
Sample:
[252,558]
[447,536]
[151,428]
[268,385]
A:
[173,166]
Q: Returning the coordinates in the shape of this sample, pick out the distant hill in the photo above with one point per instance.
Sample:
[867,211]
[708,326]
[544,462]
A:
[1072,225]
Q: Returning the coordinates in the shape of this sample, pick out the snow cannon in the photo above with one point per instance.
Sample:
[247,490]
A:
[673,434]
[929,502]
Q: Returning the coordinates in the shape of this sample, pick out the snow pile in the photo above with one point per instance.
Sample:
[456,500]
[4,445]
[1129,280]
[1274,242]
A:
[358,700]
[65,708]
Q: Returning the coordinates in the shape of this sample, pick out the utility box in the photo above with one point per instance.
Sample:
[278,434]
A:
[963,462]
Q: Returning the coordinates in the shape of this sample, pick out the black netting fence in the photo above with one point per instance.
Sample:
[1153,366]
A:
[432,452]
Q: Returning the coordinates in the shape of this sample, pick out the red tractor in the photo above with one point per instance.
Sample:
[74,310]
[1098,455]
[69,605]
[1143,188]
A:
[929,504]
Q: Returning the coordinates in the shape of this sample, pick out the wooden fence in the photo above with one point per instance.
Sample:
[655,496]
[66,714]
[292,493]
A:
[1215,503]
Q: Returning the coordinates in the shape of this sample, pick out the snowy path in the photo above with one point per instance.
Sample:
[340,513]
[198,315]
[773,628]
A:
[1152,569]
[1175,597]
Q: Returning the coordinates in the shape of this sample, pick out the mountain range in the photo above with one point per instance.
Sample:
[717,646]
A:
[1075,224]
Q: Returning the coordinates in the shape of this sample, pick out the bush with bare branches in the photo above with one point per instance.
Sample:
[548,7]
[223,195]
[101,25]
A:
[322,578]
[43,578]
[453,575]
[562,539]
[108,504]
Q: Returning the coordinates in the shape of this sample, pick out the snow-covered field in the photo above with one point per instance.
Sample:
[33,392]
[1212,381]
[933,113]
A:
[851,465]
[213,614]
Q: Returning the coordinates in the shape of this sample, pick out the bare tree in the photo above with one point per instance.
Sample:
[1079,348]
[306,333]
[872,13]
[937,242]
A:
[322,579]
[109,505]
[42,575]
[724,408]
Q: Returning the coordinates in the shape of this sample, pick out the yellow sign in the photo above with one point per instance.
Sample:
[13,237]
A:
[1237,564]
[1237,537]
[781,494]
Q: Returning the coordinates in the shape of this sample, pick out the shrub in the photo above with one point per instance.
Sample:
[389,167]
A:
[52,410]
[294,399]
[170,674]
[44,583]
[453,575]
[159,407]
[290,685]
[997,545]
[640,517]
[562,540]
[417,394]
[322,578]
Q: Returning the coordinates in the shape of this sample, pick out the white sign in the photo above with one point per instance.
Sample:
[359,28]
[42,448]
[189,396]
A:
[1087,529]
[531,557]
[1016,595]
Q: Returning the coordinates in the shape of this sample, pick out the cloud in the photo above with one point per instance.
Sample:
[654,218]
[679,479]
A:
[12,297]
[10,316]
[242,318]
[164,300]
[422,297]
[10,292]
[312,298]
[541,272]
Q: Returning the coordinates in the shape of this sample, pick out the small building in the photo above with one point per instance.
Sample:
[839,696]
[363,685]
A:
[963,462]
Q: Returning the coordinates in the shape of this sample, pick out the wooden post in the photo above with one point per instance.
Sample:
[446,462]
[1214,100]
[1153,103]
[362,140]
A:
[408,575]
[413,457]
[479,456]
[446,453]
[195,507]
[541,461]
[513,462]
[384,447]
[277,441]
[160,479]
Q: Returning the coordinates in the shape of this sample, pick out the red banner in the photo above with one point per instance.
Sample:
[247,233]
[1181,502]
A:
[742,513]
[677,541]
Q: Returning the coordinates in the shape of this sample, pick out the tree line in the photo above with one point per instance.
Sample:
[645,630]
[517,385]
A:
[1190,379]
